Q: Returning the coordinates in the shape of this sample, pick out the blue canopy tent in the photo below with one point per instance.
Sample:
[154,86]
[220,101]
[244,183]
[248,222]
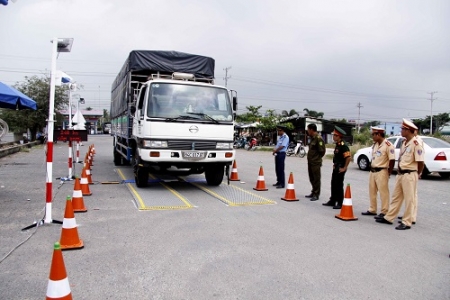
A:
[12,98]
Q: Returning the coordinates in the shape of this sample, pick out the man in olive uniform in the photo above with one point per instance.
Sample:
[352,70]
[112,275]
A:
[280,155]
[315,153]
[383,160]
[410,167]
[341,159]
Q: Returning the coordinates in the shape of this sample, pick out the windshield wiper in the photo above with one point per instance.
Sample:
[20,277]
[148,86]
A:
[181,117]
[208,117]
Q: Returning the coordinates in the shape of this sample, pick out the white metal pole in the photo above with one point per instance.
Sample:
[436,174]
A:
[50,126]
[70,106]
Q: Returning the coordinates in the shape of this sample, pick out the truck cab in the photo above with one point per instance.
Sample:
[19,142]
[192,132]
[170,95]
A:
[182,127]
[168,116]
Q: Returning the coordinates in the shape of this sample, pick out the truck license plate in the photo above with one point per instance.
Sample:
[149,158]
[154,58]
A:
[194,154]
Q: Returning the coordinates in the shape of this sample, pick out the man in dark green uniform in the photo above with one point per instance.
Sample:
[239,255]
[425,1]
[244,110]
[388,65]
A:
[341,159]
[315,153]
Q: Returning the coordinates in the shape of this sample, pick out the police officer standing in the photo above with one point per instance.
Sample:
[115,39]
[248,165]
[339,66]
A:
[416,197]
[280,155]
[383,160]
[410,167]
[341,159]
[315,153]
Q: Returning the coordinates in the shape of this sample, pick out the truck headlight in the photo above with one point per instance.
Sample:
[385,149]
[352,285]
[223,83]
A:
[224,146]
[154,144]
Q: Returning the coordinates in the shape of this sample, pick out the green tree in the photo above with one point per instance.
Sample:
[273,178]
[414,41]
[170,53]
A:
[38,89]
[252,115]
[269,122]
[290,113]
[106,117]
[313,113]
[369,124]
[438,121]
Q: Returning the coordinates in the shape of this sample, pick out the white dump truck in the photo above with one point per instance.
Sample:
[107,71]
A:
[168,117]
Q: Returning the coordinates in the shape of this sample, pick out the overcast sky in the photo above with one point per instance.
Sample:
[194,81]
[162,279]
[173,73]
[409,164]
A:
[328,56]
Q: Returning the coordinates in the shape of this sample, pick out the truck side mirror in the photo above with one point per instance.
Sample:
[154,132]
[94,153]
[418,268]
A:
[133,109]
[234,103]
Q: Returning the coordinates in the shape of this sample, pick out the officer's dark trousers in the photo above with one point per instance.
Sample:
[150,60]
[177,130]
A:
[314,178]
[337,186]
[279,168]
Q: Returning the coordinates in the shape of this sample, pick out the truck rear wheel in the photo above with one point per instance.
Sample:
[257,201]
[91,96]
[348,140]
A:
[214,175]
[118,159]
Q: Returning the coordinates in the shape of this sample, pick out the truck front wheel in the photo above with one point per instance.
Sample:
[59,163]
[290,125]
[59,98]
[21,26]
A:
[214,175]
[140,173]
[141,176]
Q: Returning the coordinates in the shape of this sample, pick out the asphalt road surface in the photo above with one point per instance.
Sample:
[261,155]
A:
[180,239]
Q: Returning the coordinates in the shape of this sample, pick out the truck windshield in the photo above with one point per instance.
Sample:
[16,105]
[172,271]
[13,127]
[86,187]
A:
[170,100]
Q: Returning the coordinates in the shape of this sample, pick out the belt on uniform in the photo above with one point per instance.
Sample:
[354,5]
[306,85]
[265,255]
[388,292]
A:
[374,170]
[401,172]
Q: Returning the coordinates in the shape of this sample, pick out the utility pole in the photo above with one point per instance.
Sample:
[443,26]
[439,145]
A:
[359,114]
[431,113]
[226,75]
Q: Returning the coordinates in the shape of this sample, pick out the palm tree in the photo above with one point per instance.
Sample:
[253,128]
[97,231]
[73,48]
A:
[313,113]
[292,112]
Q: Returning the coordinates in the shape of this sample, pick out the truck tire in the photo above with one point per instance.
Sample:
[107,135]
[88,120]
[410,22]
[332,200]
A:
[118,159]
[141,176]
[214,175]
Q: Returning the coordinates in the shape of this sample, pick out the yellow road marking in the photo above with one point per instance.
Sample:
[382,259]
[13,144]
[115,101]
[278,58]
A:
[184,200]
[230,202]
[142,205]
[265,200]
[226,201]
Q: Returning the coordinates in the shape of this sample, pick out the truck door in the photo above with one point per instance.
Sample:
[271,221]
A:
[140,111]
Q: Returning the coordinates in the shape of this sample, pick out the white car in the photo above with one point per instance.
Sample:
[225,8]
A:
[437,155]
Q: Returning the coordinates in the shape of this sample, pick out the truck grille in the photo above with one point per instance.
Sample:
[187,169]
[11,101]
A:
[191,145]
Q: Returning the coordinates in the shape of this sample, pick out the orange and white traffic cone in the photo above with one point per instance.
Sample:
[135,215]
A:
[88,173]
[84,184]
[290,191]
[69,233]
[77,197]
[58,286]
[234,174]
[346,213]
[260,184]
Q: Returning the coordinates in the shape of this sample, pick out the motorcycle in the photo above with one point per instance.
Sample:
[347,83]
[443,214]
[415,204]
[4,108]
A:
[251,146]
[296,149]
[300,150]
[239,143]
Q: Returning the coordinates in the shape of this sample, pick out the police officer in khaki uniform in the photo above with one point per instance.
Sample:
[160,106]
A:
[341,159]
[410,167]
[383,160]
[315,153]
[416,197]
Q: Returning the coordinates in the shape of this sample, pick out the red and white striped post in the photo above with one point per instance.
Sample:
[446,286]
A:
[78,153]
[64,46]
[50,126]
[70,161]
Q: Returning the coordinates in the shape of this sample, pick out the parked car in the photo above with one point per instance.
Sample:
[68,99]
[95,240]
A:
[437,155]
